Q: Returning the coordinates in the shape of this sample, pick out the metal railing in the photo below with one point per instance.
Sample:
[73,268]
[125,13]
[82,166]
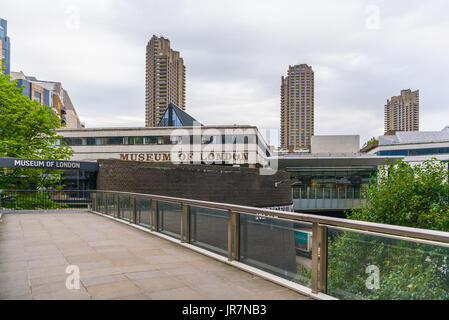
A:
[13,200]
[346,259]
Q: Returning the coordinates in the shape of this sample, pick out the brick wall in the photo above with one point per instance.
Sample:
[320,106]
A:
[243,186]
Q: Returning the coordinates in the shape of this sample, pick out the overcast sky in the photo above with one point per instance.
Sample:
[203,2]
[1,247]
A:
[235,53]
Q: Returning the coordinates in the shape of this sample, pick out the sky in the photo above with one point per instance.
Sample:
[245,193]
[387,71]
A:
[235,52]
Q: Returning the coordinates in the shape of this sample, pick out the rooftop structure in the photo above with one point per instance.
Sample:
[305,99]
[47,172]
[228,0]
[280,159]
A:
[175,117]
[348,144]
[410,137]
[415,146]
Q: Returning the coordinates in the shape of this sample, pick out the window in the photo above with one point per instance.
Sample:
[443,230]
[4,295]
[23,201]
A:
[113,140]
[37,96]
[150,140]
[163,140]
[176,140]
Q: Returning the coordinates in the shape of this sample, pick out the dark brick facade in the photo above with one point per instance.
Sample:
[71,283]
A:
[243,186]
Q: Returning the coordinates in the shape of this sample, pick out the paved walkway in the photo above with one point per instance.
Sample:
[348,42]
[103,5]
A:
[116,261]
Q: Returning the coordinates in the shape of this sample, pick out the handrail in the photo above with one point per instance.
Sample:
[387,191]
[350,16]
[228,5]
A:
[424,234]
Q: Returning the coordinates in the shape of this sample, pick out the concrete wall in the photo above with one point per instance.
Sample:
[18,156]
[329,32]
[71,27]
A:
[336,144]
[244,186]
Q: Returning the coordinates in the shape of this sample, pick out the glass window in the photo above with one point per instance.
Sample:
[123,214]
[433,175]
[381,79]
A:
[113,140]
[206,139]
[90,141]
[37,96]
[163,140]
[150,140]
[176,140]
[139,140]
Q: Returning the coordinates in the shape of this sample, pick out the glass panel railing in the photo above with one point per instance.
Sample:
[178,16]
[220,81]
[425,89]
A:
[143,211]
[279,247]
[209,229]
[169,218]
[362,266]
[100,202]
[303,249]
[110,203]
[125,207]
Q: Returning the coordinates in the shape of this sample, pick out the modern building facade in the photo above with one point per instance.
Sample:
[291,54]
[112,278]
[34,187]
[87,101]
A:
[52,94]
[415,147]
[331,178]
[5,45]
[224,145]
[330,184]
[297,107]
[401,112]
[165,80]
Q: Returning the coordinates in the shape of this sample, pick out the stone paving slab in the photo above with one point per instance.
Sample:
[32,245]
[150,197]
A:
[115,261]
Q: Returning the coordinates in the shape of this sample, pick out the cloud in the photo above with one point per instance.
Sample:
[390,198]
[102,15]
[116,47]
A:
[235,54]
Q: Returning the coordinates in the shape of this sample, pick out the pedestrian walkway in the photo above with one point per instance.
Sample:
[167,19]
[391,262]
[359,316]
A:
[115,261]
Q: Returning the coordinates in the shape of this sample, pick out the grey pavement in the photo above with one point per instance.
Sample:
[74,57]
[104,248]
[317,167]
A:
[115,261]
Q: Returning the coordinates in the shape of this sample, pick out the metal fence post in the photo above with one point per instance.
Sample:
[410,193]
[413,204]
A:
[151,214]
[106,203]
[229,235]
[323,260]
[94,201]
[236,222]
[315,239]
[132,214]
[233,234]
[185,223]
[117,208]
[181,228]
[155,215]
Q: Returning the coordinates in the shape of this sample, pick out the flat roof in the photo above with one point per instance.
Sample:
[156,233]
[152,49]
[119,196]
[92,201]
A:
[333,160]
[415,137]
[152,128]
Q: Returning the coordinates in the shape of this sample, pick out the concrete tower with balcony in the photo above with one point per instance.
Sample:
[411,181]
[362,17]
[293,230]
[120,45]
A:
[297,107]
[165,80]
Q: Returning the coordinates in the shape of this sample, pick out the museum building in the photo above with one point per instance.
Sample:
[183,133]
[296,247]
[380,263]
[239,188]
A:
[178,138]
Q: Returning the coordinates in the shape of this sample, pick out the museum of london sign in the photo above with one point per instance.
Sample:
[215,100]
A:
[187,156]
[7,162]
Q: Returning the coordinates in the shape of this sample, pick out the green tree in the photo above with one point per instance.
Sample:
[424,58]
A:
[370,141]
[27,130]
[407,195]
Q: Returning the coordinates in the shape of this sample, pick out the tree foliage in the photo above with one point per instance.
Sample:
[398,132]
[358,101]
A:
[407,195]
[27,130]
[370,141]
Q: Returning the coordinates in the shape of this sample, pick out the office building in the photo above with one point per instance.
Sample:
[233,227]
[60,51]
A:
[165,80]
[297,107]
[402,112]
[51,94]
[5,45]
